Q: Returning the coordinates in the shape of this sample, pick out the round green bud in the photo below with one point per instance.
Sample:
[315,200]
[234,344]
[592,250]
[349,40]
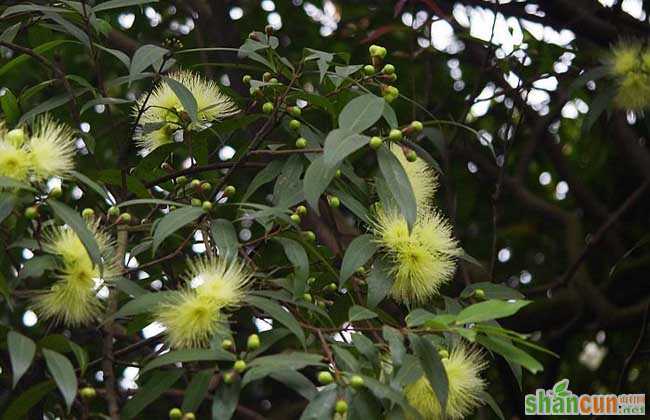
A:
[125,218]
[273,80]
[360,270]
[206,186]
[325,378]
[395,135]
[338,173]
[113,211]
[375,142]
[374,50]
[311,280]
[295,218]
[229,191]
[341,407]
[301,143]
[392,90]
[307,297]
[56,192]
[266,76]
[382,52]
[253,342]
[267,108]
[239,366]
[88,393]
[356,381]
[226,344]
[301,210]
[332,287]
[309,235]
[228,377]
[196,202]
[181,180]
[195,183]
[189,416]
[479,293]
[206,206]
[87,213]
[246,79]
[368,69]
[411,156]
[444,354]
[16,137]
[417,126]
[175,414]
[334,201]
[391,77]
[389,98]
[388,69]
[294,125]
[294,111]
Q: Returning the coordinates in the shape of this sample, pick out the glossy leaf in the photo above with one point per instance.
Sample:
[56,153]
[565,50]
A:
[63,374]
[21,353]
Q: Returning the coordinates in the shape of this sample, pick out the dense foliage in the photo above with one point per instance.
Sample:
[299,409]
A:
[329,210]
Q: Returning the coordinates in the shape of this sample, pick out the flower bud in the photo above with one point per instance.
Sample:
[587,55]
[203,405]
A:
[325,378]
[175,414]
[356,382]
[239,366]
[301,143]
[253,342]
[88,393]
[206,206]
[334,201]
[294,125]
[375,142]
[301,210]
[341,407]
[267,108]
[295,218]
[87,213]
[125,219]
[16,137]
[55,192]
[226,344]
[246,79]
[388,69]
[369,69]
[294,111]
[229,191]
[395,135]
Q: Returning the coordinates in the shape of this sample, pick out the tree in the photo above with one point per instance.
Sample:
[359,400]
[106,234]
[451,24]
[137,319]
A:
[353,209]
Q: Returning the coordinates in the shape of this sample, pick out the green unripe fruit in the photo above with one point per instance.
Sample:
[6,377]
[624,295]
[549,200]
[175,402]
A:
[360,270]
[229,191]
[295,218]
[113,211]
[175,414]
[334,202]
[266,76]
[239,366]
[389,98]
[246,79]
[382,52]
[309,235]
[181,180]
[411,156]
[307,297]
[87,213]
[253,342]
[341,407]
[338,173]
[417,126]
[226,344]
[369,69]
[325,378]
[395,135]
[273,80]
[294,111]
[444,354]
[375,142]
[479,293]
[375,50]
[195,184]
[228,377]
[294,125]
[392,90]
[189,416]
[388,69]
[125,218]
[301,143]
[196,202]
[16,137]
[206,186]
[301,210]
[332,287]
[206,206]
[88,393]
[267,108]
[356,382]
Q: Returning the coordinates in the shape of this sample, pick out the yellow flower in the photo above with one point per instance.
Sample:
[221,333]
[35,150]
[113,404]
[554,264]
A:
[191,319]
[224,283]
[624,58]
[422,177]
[629,63]
[51,149]
[72,299]
[421,260]
[463,369]
[634,91]
[164,108]
[14,161]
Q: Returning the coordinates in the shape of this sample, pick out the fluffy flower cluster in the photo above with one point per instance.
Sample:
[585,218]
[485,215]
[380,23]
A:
[629,63]
[72,299]
[423,259]
[463,369]
[165,112]
[194,315]
[49,151]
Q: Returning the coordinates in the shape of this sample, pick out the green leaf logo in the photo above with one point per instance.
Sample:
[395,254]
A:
[560,389]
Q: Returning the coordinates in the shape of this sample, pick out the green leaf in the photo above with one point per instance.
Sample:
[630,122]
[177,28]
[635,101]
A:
[297,255]
[158,383]
[365,406]
[9,34]
[340,143]
[395,342]
[225,238]
[129,287]
[492,291]
[321,407]
[75,221]
[51,104]
[69,27]
[288,187]
[19,408]
[345,359]
[359,313]
[225,401]
[389,115]
[398,183]
[317,177]
[433,368]
[296,381]
[490,309]
[10,107]
[93,185]
[361,113]
[279,314]
[185,96]
[596,108]
[189,355]
[115,4]
[379,283]
[197,390]
[7,204]
[10,183]
[21,353]
[63,374]
[144,303]
[41,49]
[510,352]
[356,255]
[172,222]
[484,396]
[266,175]
[365,347]
[144,57]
